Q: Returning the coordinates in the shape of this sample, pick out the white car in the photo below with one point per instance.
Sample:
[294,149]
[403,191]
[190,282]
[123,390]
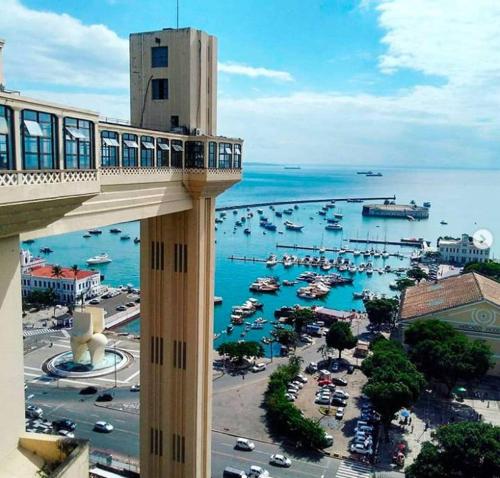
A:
[322,401]
[257,472]
[66,433]
[103,427]
[297,384]
[95,302]
[135,388]
[364,429]
[258,367]
[280,460]
[301,378]
[244,444]
[358,448]
[32,411]
[290,397]
[341,394]
[339,414]
[329,439]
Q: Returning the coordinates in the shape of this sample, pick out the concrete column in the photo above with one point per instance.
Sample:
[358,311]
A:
[177,270]
[11,346]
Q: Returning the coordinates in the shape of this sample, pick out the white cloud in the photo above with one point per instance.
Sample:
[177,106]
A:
[57,49]
[254,72]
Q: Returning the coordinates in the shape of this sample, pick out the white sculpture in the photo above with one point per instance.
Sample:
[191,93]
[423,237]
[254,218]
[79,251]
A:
[86,335]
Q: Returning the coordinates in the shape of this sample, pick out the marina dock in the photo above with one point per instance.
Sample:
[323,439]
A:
[416,243]
[305,201]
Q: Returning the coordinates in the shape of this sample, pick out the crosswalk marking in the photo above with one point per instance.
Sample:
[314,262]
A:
[32,332]
[349,469]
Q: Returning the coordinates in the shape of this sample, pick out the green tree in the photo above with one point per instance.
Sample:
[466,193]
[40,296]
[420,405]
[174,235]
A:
[446,355]
[417,274]
[300,318]
[381,311]
[57,272]
[287,337]
[340,337]
[403,283]
[239,351]
[490,269]
[459,450]
[75,270]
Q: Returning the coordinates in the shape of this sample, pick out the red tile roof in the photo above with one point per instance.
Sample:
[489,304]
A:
[448,293]
[66,273]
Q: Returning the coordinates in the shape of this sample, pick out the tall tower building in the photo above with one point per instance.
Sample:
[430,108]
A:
[173,81]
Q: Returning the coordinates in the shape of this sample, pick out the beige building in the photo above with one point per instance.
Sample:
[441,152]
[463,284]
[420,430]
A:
[462,250]
[470,302]
[64,169]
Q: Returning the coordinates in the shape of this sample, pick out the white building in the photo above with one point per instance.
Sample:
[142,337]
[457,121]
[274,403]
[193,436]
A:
[38,276]
[462,251]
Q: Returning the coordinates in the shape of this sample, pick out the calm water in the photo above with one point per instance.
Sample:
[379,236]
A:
[466,199]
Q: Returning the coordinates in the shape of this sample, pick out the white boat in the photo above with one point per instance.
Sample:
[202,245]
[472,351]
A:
[99,259]
[271,261]
[352,269]
[333,227]
[356,253]
[293,227]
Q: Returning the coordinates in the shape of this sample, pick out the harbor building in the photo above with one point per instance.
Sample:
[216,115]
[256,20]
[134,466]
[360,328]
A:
[66,169]
[396,210]
[461,250]
[470,302]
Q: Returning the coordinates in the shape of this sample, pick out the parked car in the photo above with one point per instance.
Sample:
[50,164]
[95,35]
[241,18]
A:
[364,428]
[322,401]
[280,460]
[312,367]
[290,397]
[258,367]
[357,448]
[103,427]
[104,397]
[244,444]
[135,388]
[298,384]
[329,439]
[64,424]
[339,381]
[339,401]
[90,390]
[325,381]
[130,304]
[121,308]
[32,411]
[95,302]
[341,394]
[306,339]
[339,414]
[301,378]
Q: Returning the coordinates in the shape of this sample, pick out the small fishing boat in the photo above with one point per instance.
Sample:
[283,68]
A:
[86,236]
[95,231]
[247,231]
[125,237]
[29,241]
[443,222]
[137,240]
[278,214]
[46,250]
[333,227]
[293,227]
[115,230]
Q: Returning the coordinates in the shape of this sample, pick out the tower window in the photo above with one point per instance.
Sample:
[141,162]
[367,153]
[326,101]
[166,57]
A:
[159,57]
[160,89]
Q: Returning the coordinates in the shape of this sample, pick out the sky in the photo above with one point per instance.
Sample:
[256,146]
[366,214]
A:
[410,83]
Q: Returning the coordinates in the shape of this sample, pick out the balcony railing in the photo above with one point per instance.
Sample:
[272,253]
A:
[47,176]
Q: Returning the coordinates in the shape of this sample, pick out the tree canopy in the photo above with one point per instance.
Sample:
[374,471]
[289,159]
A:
[490,269]
[417,274]
[300,318]
[340,337]
[287,337]
[238,351]
[381,311]
[459,450]
[403,283]
[445,354]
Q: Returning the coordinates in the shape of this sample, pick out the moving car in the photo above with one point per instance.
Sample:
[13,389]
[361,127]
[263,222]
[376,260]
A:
[64,424]
[258,367]
[121,308]
[90,390]
[258,472]
[95,302]
[244,444]
[230,472]
[135,388]
[280,460]
[103,427]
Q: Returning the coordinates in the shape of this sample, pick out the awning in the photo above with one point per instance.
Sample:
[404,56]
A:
[164,146]
[76,133]
[4,127]
[228,150]
[110,142]
[33,128]
[148,145]
[177,148]
[130,144]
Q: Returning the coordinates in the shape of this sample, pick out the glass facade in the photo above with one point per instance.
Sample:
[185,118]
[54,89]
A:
[212,154]
[159,57]
[176,153]
[225,156]
[195,154]
[130,150]
[147,151]
[162,153]
[237,156]
[39,140]
[78,144]
[109,149]
[6,138]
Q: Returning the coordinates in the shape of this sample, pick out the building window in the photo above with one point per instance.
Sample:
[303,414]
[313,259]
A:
[109,148]
[159,57]
[195,154]
[225,156]
[130,150]
[160,89]
[162,153]
[212,154]
[6,138]
[174,122]
[147,151]
[39,139]
[237,156]
[78,142]
[176,153]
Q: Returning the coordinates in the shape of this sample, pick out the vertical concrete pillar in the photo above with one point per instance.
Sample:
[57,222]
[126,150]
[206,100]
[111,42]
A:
[177,269]
[11,346]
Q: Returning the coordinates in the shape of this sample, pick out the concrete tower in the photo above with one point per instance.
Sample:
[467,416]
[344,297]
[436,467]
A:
[173,81]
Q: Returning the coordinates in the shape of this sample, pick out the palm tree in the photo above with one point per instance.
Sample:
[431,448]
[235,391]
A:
[57,272]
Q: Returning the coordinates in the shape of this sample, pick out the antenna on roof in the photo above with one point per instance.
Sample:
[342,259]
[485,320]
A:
[177,14]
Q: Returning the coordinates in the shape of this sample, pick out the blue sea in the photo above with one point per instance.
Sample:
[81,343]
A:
[467,199]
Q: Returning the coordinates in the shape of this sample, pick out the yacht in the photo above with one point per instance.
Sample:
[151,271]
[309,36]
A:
[271,261]
[293,227]
[356,253]
[102,258]
[352,269]
[333,227]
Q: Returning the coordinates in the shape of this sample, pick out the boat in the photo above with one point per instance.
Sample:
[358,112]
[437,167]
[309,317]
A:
[292,226]
[292,167]
[278,213]
[289,282]
[102,258]
[137,240]
[443,222]
[229,329]
[259,211]
[125,237]
[115,230]
[271,261]
[247,231]
[322,250]
[338,215]
[288,211]
[364,172]
[269,226]
[333,227]
[410,218]
[352,269]
[373,175]
[46,250]
[356,253]
[86,236]
[217,300]
[235,212]
[427,204]
[29,241]
[95,231]
[287,261]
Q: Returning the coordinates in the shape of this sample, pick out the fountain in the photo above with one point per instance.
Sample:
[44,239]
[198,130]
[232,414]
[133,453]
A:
[89,356]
